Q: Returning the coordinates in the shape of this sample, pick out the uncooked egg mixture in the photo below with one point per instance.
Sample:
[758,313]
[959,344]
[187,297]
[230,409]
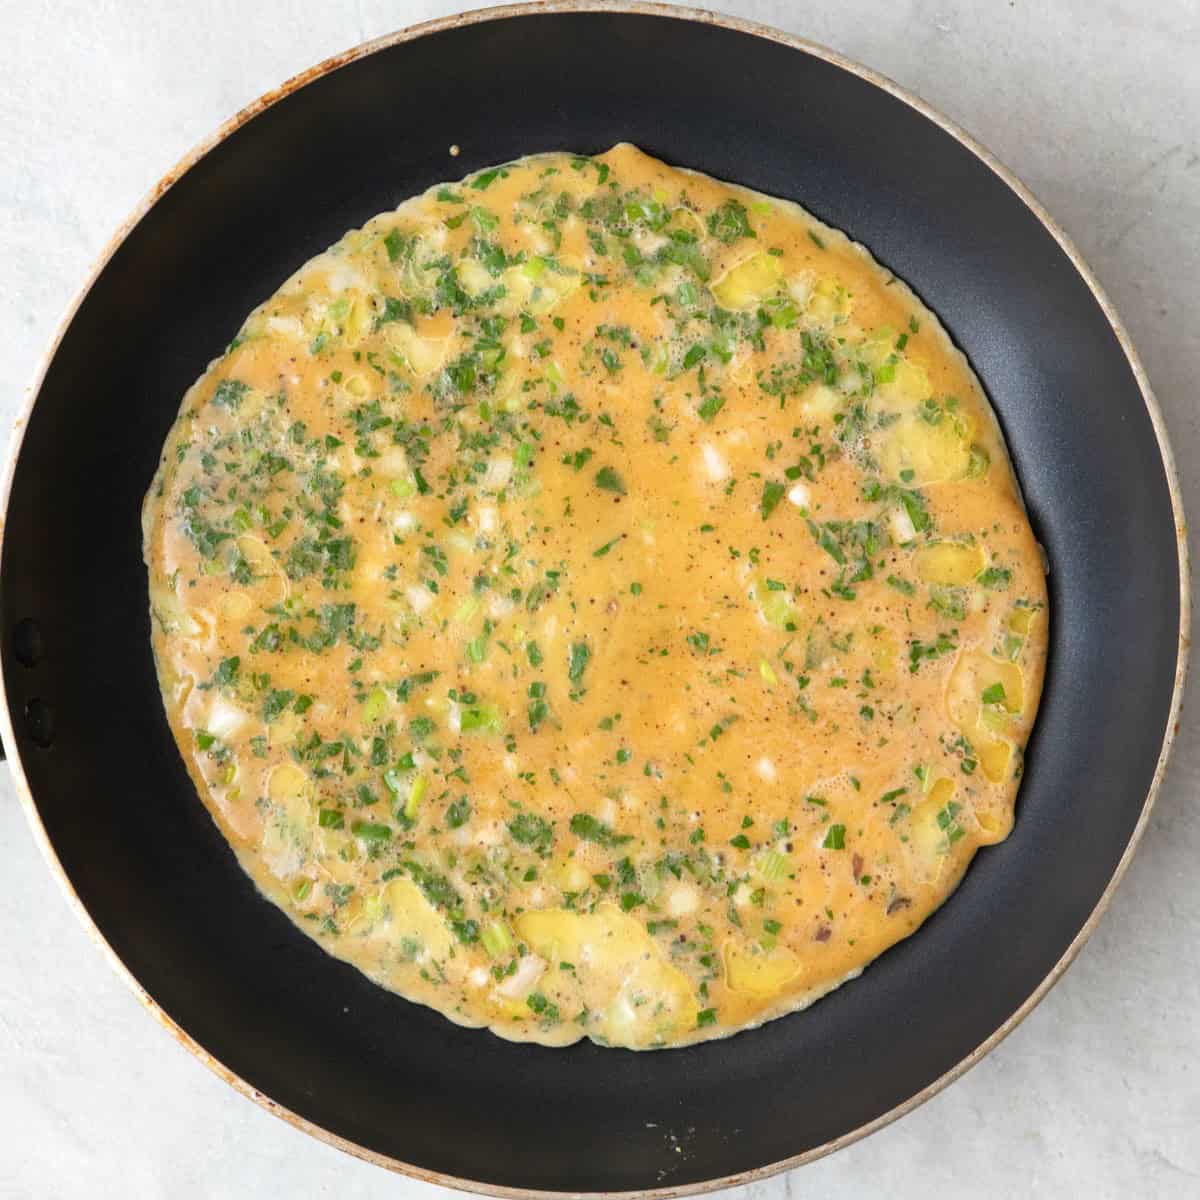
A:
[595,601]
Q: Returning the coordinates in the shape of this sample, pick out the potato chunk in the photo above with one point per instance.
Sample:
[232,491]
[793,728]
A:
[750,283]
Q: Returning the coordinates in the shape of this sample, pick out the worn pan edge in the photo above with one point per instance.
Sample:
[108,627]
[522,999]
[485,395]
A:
[913,101]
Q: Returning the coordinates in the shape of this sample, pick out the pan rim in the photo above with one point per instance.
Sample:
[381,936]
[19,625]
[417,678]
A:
[876,79]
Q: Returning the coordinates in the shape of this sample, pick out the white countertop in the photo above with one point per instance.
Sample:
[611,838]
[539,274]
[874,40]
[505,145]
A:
[1097,108]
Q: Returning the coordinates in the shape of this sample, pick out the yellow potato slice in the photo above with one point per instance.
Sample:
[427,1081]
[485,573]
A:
[950,563]
[777,607]
[760,972]
[907,387]
[235,605]
[932,453]
[1022,620]
[425,356]
[820,402]
[974,673]
[533,286]
[572,876]
[174,617]
[637,997]
[356,318]
[410,915]
[885,652]
[933,828]
[829,302]
[994,757]
[750,283]
[287,831]
[654,1003]
[878,347]
[256,553]
[289,783]
[474,277]
[266,568]
[994,824]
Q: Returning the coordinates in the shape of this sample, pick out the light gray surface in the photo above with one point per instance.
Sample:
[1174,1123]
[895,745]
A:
[1097,107]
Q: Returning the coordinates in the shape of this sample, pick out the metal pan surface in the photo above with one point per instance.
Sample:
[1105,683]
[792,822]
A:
[112,806]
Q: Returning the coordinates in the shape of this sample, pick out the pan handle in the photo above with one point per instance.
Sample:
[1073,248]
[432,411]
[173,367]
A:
[28,649]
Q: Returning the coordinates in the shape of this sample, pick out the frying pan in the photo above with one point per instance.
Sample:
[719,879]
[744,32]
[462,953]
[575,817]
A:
[107,795]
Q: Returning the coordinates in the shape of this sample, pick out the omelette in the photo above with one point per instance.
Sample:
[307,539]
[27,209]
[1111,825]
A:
[595,601]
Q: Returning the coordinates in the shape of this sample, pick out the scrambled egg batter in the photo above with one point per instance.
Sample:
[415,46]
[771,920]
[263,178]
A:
[594,600]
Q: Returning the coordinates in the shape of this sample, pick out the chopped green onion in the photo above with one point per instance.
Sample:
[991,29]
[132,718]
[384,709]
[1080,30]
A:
[772,865]
[374,705]
[371,831]
[496,939]
[577,663]
[483,718]
[610,481]
[416,793]
[772,493]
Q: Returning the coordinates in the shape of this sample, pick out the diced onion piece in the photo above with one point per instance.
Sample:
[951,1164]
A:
[224,719]
[496,939]
[521,982]
[901,527]
[473,276]
[499,472]
[820,402]
[800,287]
[683,900]
[420,598]
[715,466]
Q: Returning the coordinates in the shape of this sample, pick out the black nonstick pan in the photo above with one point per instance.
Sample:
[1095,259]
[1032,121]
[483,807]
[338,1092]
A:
[107,794]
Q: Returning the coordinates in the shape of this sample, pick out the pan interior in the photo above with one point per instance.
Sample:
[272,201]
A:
[145,858]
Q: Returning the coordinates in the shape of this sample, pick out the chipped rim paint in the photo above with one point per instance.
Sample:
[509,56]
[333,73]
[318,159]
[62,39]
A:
[914,102]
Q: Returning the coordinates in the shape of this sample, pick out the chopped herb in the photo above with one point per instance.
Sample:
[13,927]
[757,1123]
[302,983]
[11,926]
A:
[835,838]
[588,829]
[608,480]
[771,495]
[578,661]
